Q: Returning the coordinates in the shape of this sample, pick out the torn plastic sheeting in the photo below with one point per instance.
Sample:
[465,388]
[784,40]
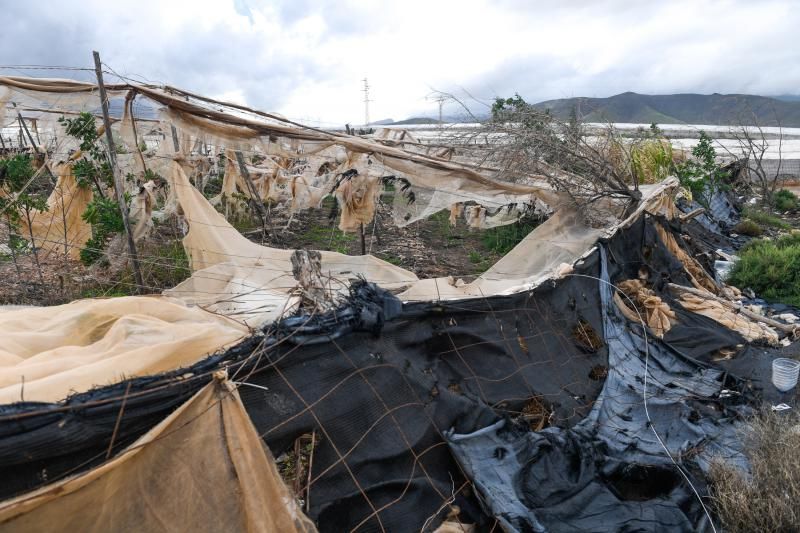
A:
[551,481]
[568,494]
[618,417]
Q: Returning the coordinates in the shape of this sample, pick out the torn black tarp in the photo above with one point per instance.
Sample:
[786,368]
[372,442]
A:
[656,406]
[379,385]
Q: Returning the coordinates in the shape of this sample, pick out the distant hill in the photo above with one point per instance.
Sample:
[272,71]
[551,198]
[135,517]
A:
[416,120]
[712,109]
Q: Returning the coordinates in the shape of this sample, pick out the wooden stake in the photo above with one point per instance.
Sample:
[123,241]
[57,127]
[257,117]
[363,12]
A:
[254,196]
[129,103]
[35,148]
[25,126]
[119,188]
[175,139]
[735,307]
[363,242]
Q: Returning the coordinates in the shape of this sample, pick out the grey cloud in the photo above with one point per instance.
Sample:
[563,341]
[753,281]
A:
[687,53]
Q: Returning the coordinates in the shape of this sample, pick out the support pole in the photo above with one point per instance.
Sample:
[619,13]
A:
[363,241]
[119,189]
[175,140]
[735,307]
[255,198]
[27,131]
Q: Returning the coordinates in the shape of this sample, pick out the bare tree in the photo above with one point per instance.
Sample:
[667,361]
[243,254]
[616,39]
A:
[753,145]
[519,141]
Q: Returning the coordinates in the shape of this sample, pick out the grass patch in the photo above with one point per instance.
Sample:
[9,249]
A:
[766,500]
[502,239]
[329,238]
[392,259]
[771,268]
[113,292]
[168,266]
[765,219]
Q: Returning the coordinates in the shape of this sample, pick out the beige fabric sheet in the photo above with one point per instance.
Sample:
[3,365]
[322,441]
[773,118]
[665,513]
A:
[749,329]
[61,229]
[657,314]
[204,469]
[48,352]
[562,239]
[254,283]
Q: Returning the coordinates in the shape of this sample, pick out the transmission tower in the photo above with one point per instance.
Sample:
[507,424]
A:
[439,99]
[365,90]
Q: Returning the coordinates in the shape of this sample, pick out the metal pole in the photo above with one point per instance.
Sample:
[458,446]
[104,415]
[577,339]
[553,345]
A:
[119,189]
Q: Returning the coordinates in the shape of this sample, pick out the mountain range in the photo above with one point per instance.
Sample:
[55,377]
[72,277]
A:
[712,109]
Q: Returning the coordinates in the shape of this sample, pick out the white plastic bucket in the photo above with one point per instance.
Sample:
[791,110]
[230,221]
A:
[784,373]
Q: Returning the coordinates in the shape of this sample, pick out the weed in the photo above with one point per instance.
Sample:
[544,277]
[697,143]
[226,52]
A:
[771,268]
[764,218]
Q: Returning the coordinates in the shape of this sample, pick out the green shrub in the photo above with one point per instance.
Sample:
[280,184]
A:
[771,268]
[784,200]
[106,220]
[748,227]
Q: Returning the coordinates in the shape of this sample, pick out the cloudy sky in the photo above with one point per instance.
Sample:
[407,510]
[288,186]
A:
[306,59]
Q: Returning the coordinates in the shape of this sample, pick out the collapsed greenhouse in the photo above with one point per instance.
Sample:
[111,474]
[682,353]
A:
[586,381]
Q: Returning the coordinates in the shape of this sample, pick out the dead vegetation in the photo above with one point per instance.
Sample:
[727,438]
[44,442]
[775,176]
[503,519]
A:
[767,498]
[585,337]
[536,414]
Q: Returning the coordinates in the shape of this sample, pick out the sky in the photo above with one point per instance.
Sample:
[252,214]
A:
[307,59]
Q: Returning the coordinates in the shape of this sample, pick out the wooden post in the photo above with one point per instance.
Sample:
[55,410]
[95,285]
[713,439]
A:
[25,126]
[254,196]
[129,104]
[119,188]
[175,139]
[363,242]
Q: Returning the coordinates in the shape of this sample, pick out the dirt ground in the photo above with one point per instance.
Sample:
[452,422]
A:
[429,248]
